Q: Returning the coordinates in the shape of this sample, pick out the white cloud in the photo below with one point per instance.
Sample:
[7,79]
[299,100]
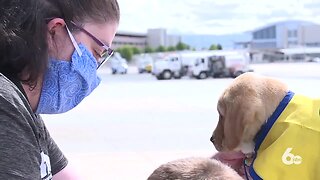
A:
[212,17]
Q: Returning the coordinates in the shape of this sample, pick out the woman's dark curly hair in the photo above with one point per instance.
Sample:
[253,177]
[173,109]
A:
[23,30]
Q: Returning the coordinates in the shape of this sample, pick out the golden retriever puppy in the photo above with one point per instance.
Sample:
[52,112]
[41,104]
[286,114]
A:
[194,168]
[277,130]
[243,108]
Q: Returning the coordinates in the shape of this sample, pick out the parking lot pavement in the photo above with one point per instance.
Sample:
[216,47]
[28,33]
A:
[289,70]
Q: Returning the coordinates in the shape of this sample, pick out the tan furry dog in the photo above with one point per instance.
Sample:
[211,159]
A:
[243,108]
[276,129]
[194,169]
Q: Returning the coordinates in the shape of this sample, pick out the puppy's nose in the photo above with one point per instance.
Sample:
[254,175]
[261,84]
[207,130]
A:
[212,139]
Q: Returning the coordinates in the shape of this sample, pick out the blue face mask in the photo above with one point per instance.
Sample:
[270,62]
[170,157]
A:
[67,83]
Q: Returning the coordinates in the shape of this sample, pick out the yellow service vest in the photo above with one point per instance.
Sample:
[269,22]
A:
[288,145]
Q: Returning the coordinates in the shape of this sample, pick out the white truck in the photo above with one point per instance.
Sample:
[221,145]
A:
[201,64]
[221,64]
[119,65]
[167,67]
[173,65]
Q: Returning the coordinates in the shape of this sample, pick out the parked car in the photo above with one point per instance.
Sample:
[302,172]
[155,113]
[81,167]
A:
[144,63]
[119,65]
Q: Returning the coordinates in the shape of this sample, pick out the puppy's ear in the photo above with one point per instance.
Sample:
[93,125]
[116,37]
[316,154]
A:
[234,122]
[241,126]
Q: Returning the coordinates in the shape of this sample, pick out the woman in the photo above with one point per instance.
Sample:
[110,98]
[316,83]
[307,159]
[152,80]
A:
[50,51]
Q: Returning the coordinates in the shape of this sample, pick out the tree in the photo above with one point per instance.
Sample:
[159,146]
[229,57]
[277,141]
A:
[148,49]
[161,49]
[182,46]
[171,48]
[136,50]
[213,47]
[119,50]
[126,52]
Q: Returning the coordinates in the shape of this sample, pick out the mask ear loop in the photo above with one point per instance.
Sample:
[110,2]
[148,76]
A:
[75,44]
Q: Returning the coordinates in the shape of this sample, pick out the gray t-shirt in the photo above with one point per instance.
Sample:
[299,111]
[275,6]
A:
[26,149]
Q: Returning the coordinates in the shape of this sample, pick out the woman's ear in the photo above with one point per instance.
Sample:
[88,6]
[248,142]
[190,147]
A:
[55,25]
[57,39]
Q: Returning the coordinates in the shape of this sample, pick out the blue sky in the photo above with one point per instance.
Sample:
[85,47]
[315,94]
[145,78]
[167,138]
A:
[212,16]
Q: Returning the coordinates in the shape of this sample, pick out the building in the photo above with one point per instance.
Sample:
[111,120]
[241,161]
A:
[138,40]
[310,36]
[270,43]
[286,34]
[153,38]
[172,40]
[157,37]
[301,53]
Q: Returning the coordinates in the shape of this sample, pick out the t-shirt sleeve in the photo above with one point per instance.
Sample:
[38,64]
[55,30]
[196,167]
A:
[19,154]
[23,138]
[57,159]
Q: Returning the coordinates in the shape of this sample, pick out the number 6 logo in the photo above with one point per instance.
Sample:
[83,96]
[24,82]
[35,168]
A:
[289,159]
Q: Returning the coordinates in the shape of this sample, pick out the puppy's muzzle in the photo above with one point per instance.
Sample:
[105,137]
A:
[212,139]
[216,143]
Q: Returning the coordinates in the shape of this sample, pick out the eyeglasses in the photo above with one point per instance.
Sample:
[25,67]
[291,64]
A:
[107,52]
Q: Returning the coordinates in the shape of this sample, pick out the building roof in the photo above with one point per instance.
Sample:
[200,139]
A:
[301,50]
[131,34]
[286,23]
